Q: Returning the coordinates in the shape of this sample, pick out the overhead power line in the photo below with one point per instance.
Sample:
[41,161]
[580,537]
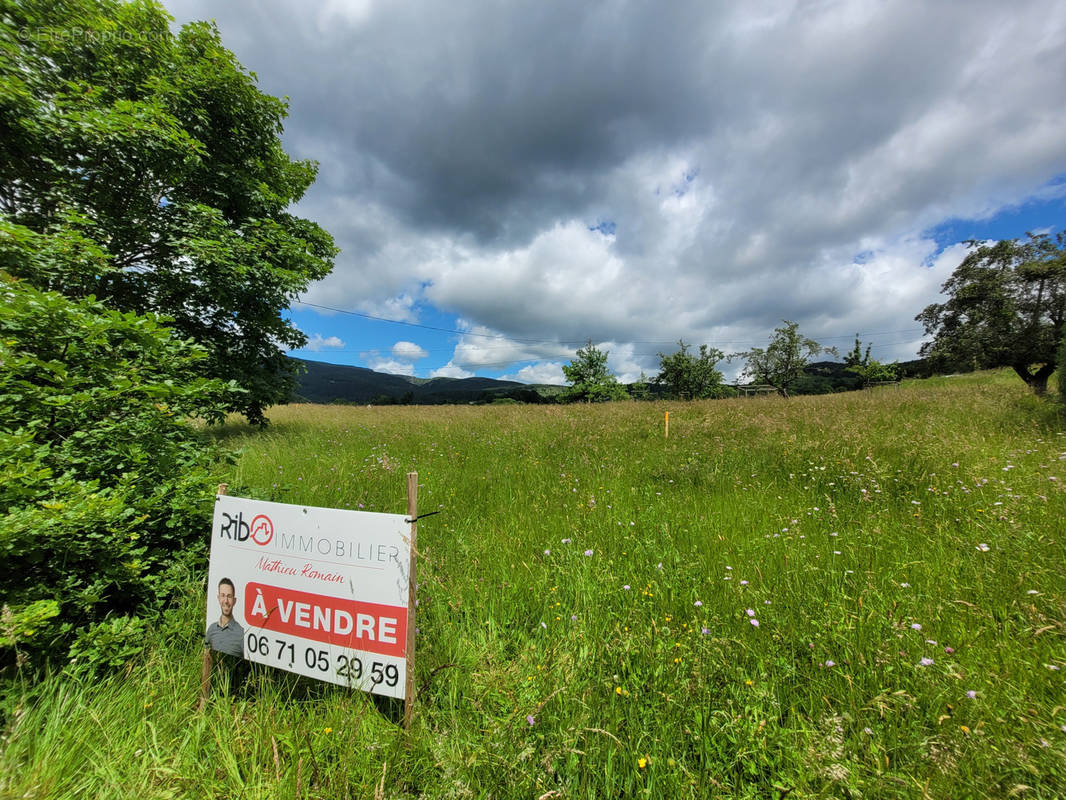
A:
[571,342]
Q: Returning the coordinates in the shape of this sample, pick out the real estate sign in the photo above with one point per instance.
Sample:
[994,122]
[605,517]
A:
[321,592]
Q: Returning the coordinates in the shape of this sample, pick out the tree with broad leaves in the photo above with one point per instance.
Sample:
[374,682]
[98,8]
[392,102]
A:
[1006,308]
[590,380]
[690,377]
[160,150]
[782,363]
[868,370]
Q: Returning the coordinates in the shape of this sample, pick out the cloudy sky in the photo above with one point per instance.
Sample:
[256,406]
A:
[508,180]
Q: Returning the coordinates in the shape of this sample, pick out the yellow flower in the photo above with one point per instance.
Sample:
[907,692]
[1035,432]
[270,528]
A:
[642,762]
[749,682]
[327,730]
[617,689]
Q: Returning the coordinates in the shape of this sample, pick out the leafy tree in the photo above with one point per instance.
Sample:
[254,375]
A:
[869,370]
[589,378]
[158,151]
[855,357]
[1060,359]
[640,390]
[1006,308]
[782,363]
[104,490]
[691,377]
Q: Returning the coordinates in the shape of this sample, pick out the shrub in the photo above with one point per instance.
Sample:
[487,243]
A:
[104,488]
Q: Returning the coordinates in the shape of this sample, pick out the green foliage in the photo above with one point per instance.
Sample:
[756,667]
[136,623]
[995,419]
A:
[104,489]
[689,377]
[590,380]
[869,370]
[21,625]
[1060,362]
[782,363]
[640,390]
[162,162]
[1006,308]
[107,645]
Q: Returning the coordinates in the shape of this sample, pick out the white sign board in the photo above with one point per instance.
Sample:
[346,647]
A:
[321,592]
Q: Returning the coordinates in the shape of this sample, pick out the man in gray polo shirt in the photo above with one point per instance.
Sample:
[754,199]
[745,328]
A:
[226,635]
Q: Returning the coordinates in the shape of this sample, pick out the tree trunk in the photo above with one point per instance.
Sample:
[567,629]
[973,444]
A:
[1037,381]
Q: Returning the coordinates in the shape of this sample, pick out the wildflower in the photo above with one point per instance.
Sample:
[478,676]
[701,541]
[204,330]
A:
[749,682]
[925,662]
[567,541]
[659,566]
[905,585]
[531,720]
[750,612]
[949,650]
[642,762]
[917,626]
[617,689]
[588,552]
[984,548]
[971,694]
[327,730]
[728,567]
[743,583]
[626,587]
[705,630]
[547,552]
[698,603]
[868,731]
[573,617]
[830,663]
[544,624]
[754,622]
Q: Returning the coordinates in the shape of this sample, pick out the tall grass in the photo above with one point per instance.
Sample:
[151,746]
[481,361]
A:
[588,600]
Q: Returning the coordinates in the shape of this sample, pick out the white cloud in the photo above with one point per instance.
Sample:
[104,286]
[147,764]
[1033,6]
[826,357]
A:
[392,366]
[550,372]
[450,370]
[317,341]
[408,350]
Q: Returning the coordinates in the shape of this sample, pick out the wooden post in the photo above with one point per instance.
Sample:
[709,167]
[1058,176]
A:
[205,666]
[667,425]
[412,587]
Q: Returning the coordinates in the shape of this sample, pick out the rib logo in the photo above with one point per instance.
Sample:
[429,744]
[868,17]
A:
[260,531]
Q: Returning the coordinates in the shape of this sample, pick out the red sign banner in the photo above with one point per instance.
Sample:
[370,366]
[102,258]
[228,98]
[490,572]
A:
[371,627]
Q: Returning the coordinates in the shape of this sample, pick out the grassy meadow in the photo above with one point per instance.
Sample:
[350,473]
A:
[854,595]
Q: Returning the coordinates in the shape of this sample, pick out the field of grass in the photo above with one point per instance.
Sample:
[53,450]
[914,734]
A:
[856,595]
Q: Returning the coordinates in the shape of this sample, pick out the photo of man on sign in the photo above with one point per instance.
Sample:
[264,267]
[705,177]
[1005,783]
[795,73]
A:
[226,635]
